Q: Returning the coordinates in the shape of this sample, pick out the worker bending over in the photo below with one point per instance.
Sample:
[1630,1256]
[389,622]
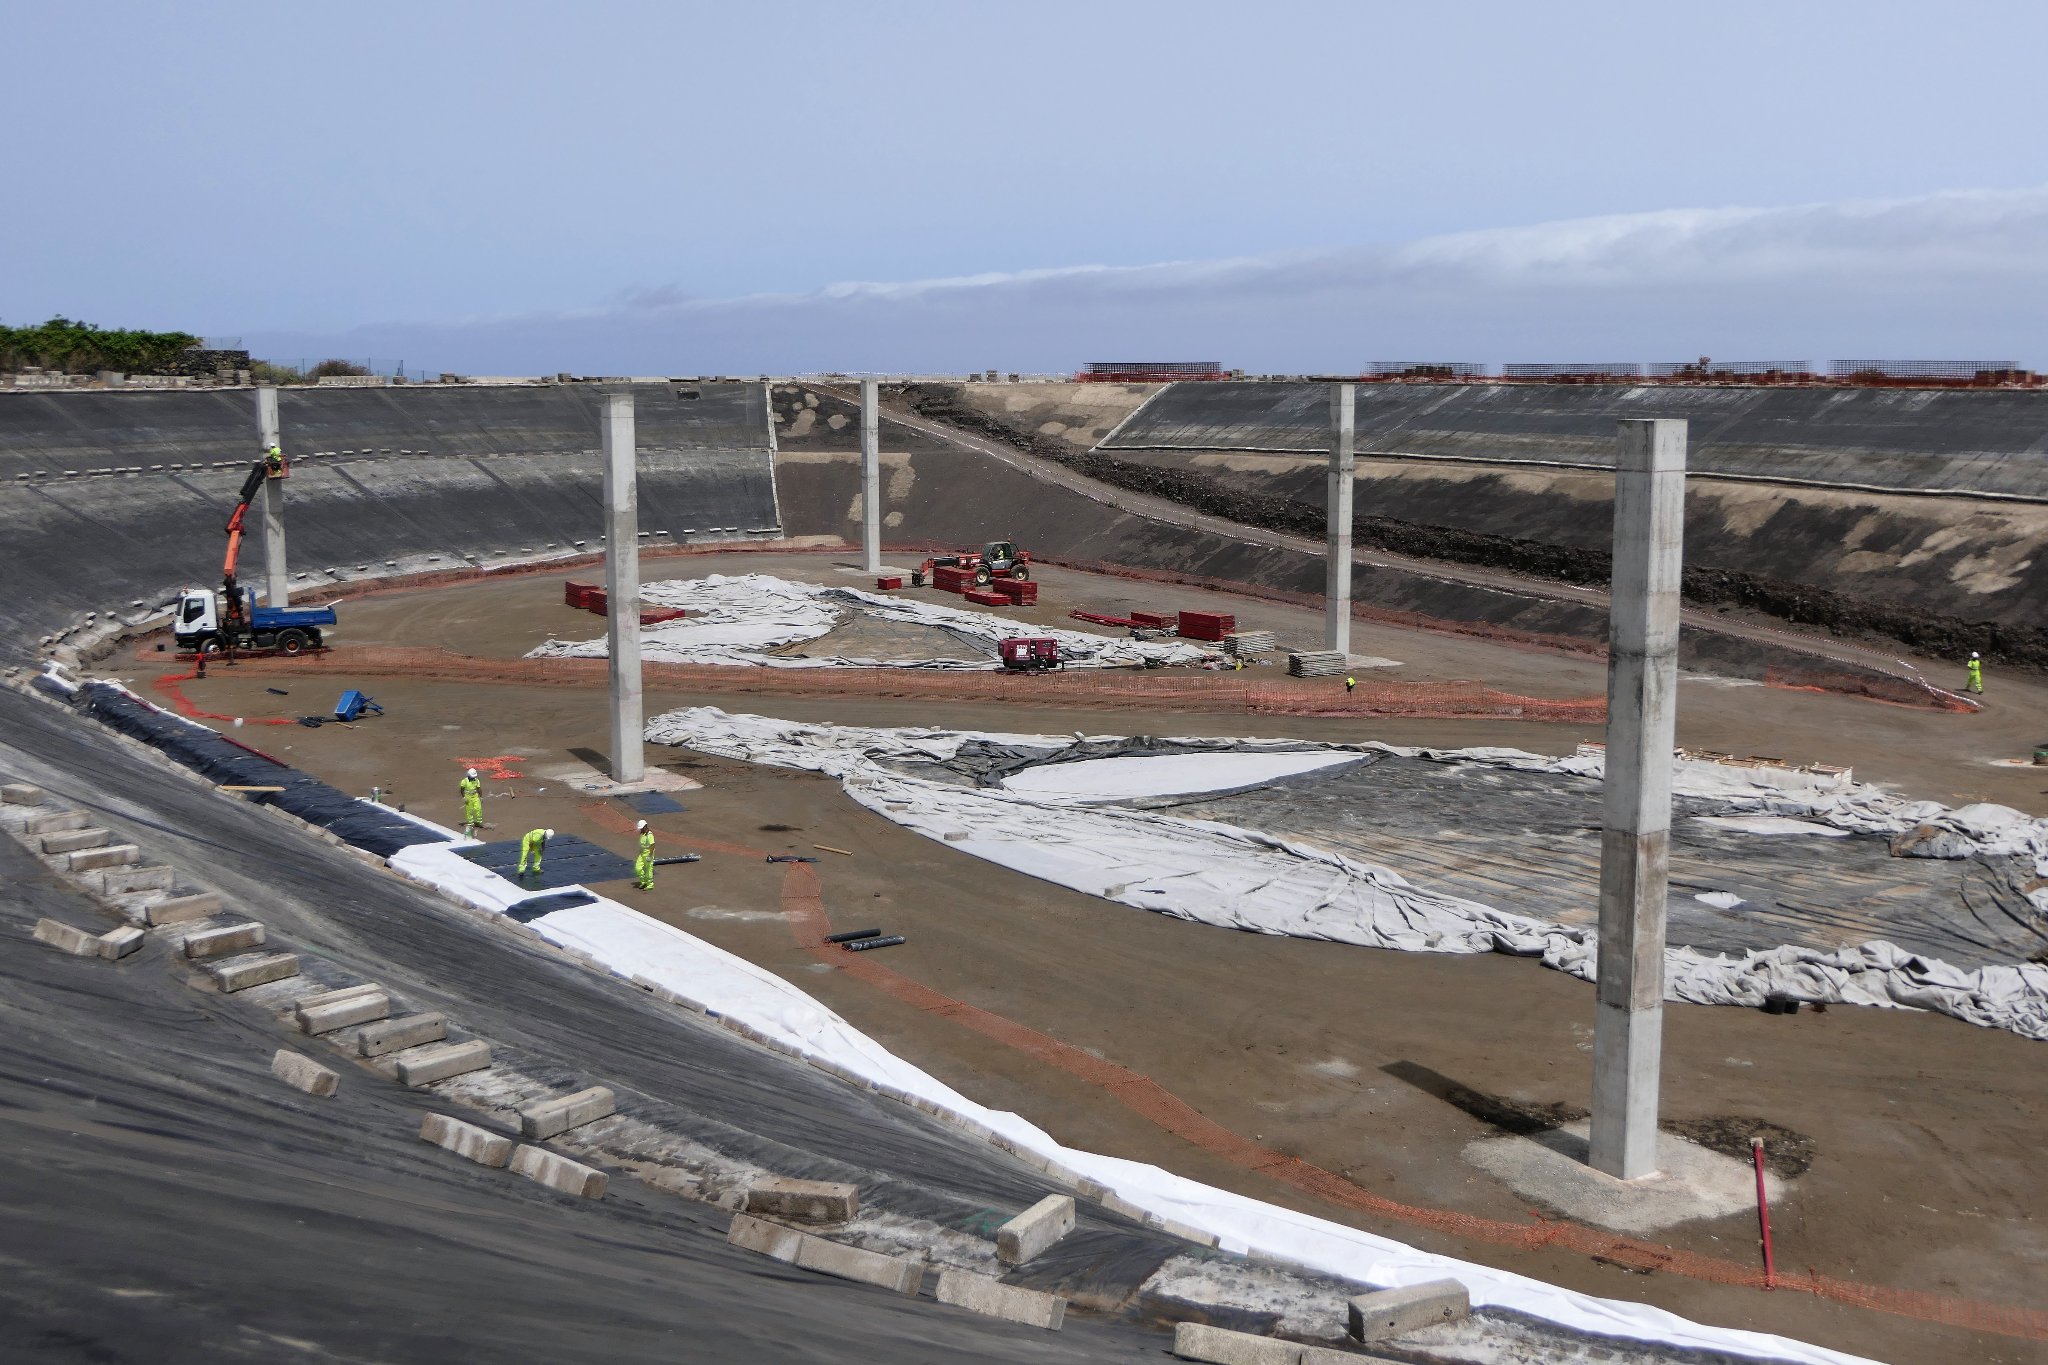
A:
[1976,667]
[532,846]
[643,865]
[472,805]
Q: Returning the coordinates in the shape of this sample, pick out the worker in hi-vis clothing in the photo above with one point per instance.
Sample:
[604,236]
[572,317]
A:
[273,461]
[1349,683]
[532,846]
[643,865]
[472,804]
[1976,673]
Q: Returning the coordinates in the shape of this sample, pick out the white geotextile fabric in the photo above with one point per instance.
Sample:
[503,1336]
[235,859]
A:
[738,618]
[1116,779]
[1242,879]
[634,945]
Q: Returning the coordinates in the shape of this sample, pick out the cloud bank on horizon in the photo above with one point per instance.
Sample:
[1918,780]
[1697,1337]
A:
[1960,275]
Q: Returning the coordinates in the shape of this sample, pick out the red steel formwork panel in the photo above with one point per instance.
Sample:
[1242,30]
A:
[988,599]
[1206,625]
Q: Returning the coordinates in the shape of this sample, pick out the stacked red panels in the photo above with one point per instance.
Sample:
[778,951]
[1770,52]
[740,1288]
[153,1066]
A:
[1207,625]
[1021,591]
[889,584]
[599,601]
[948,579]
[988,599]
[651,616]
[577,595]
[1152,620]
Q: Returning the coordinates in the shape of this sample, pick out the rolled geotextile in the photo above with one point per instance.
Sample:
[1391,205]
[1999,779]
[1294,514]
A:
[862,945]
[850,937]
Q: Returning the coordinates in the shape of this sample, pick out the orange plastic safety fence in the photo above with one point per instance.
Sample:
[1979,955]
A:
[1087,689]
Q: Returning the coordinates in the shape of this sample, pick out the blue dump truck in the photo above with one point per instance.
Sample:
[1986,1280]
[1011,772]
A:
[208,622]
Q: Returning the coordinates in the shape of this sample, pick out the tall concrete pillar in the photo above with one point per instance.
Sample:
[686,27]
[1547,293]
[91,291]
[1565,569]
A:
[1635,843]
[622,584]
[1337,581]
[870,478]
[277,591]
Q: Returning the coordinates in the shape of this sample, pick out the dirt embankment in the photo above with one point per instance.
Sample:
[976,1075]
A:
[1800,603]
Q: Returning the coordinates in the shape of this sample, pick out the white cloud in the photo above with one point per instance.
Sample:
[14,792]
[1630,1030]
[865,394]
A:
[1961,275]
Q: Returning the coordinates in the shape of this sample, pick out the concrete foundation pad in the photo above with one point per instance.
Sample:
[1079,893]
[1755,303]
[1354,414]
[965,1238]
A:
[480,1145]
[1692,1184]
[118,943]
[1035,1229]
[67,939]
[393,1035]
[990,1296]
[807,1201]
[594,783]
[558,1172]
[546,1118]
[303,1073]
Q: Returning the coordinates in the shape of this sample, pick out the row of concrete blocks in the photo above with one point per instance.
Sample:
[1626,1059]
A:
[1376,1317]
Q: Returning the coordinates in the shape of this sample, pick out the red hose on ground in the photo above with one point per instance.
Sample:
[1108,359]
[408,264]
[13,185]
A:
[167,684]
[1763,1212]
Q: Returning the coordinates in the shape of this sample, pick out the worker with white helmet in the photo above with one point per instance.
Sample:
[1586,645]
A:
[472,790]
[643,864]
[1976,667]
[533,846]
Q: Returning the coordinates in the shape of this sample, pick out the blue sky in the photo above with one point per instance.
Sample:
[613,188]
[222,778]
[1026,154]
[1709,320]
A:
[678,188]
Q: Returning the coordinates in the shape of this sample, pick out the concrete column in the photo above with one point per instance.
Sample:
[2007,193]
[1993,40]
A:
[277,590]
[1337,579]
[622,584]
[1635,844]
[870,478]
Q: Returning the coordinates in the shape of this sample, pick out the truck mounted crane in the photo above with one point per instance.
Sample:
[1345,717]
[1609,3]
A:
[221,622]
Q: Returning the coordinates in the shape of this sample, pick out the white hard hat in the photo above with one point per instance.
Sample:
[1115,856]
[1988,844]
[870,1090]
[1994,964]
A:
[642,825]
[1973,653]
[547,834]
[472,772]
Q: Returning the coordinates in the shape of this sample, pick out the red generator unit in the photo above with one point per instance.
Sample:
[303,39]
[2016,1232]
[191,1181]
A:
[987,599]
[1207,625]
[1029,653]
[577,595]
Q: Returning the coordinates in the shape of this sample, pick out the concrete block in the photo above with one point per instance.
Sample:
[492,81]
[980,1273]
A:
[303,1073]
[989,1296]
[483,1147]
[229,938]
[183,909]
[361,1009]
[393,1035]
[546,1118]
[118,943]
[441,1061]
[1035,1229]
[255,971]
[1395,1312]
[53,821]
[73,840]
[770,1239]
[851,1263]
[807,1201]
[1199,1341]
[558,1172]
[329,997]
[20,794]
[126,881]
[66,939]
[110,855]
